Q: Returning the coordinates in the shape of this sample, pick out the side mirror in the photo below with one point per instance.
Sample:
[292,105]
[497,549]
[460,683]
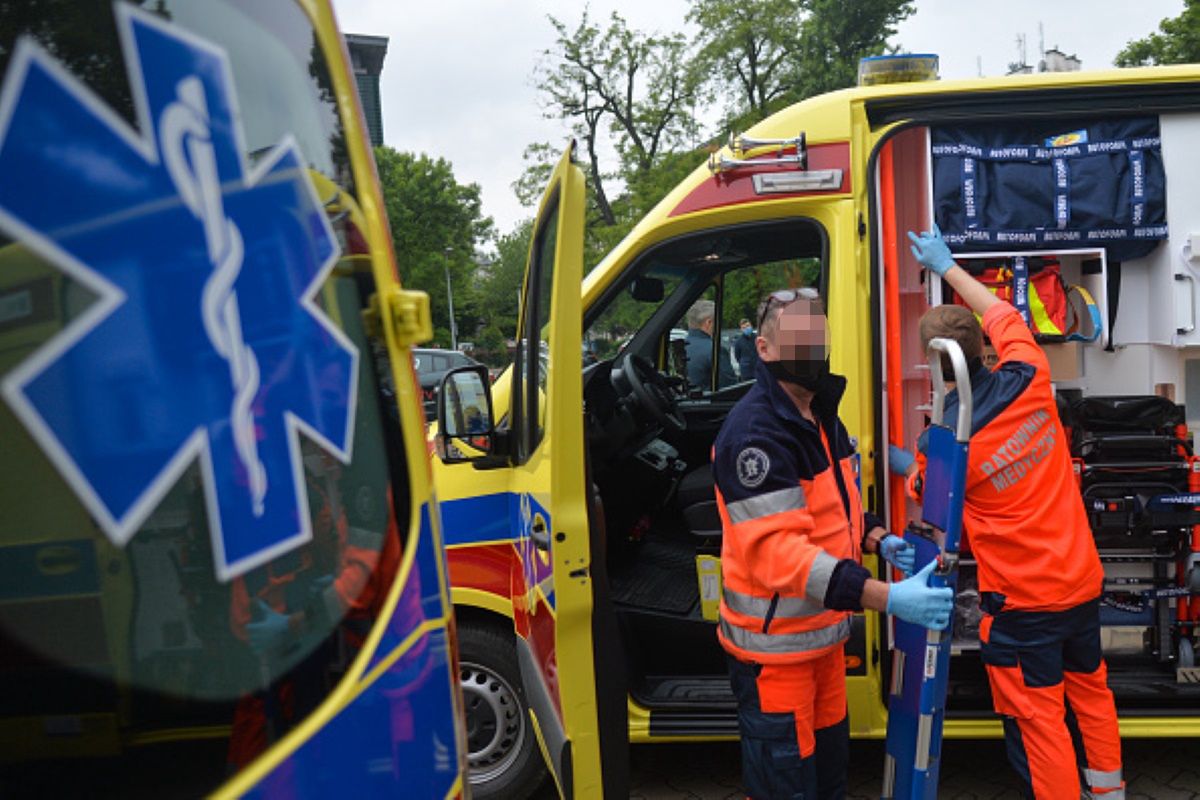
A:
[466,428]
[647,290]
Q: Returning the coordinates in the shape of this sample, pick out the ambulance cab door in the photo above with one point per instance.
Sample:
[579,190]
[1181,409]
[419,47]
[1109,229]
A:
[552,595]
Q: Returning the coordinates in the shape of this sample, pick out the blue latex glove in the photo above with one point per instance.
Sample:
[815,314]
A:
[913,600]
[930,249]
[269,630]
[899,553]
[899,460]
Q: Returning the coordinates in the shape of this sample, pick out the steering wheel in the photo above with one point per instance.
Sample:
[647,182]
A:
[652,392]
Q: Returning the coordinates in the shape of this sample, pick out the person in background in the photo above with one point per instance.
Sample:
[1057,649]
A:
[701,320]
[745,353]
[1039,573]
[794,531]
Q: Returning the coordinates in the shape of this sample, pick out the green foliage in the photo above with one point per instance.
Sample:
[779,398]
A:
[837,34]
[747,50]
[619,320]
[635,94]
[761,55]
[631,94]
[615,87]
[1176,42]
[501,285]
[82,35]
[539,158]
[644,188]
[745,288]
[491,348]
[437,225]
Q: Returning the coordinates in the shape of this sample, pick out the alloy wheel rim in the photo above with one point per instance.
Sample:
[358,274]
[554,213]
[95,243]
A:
[495,724]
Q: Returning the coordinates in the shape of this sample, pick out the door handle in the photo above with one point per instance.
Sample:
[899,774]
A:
[1183,330]
[539,533]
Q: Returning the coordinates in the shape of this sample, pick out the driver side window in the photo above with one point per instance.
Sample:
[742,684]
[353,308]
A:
[607,336]
[530,407]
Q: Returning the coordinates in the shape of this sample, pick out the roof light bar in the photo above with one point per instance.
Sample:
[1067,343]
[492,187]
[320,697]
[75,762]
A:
[903,68]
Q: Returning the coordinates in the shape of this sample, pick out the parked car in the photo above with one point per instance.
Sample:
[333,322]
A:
[431,366]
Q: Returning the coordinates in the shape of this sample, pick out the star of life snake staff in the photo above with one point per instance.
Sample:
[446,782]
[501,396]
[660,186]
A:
[185,139]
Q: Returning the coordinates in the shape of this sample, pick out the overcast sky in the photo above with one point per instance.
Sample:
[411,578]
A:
[456,81]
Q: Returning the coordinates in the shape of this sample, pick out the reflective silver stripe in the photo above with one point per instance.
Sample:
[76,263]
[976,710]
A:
[786,608]
[818,576]
[1115,794]
[924,735]
[764,505]
[782,643]
[1104,780]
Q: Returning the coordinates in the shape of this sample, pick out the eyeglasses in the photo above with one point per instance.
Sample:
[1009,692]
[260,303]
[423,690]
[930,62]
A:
[783,297]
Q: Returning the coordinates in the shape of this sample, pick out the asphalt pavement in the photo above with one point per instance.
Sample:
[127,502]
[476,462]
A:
[1155,769]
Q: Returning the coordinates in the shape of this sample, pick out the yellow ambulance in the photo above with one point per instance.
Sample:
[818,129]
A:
[578,508]
[221,570]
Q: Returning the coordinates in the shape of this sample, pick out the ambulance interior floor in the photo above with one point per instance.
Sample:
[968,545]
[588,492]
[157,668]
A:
[661,576]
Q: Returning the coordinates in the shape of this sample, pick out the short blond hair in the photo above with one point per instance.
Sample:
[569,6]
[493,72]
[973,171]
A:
[952,322]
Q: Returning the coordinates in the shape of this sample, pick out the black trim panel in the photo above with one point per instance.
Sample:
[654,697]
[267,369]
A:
[1059,102]
[558,746]
[608,658]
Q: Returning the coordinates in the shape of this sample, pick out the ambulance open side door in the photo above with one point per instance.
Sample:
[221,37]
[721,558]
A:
[553,595]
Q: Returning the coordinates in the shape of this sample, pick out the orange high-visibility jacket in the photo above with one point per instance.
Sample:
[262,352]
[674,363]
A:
[1023,513]
[792,526]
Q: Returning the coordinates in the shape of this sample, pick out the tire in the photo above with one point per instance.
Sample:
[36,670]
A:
[502,752]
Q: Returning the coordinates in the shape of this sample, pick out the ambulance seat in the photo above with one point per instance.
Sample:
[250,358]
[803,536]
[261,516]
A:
[697,498]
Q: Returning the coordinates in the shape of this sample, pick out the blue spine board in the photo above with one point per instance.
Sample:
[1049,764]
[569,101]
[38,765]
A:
[945,484]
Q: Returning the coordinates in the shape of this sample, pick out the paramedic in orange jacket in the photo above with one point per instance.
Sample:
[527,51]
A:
[794,530]
[1040,576]
[287,606]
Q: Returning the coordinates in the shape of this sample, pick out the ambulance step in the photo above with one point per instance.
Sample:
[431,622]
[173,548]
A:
[682,723]
[710,692]
[1154,689]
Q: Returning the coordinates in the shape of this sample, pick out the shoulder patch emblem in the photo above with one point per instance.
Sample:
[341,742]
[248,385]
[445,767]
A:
[752,466]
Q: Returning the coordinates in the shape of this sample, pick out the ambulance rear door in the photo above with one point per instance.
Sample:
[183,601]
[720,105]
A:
[553,595]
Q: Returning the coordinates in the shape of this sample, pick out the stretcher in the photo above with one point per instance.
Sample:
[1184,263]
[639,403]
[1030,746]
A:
[921,658]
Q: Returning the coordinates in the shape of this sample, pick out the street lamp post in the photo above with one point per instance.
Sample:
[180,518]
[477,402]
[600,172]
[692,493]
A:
[450,300]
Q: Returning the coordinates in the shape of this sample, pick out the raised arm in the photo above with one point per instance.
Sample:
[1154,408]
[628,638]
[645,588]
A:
[930,249]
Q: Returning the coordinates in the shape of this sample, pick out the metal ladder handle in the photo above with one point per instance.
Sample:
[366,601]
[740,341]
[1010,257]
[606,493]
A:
[962,379]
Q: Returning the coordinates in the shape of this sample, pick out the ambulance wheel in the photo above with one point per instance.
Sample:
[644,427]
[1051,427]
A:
[503,760]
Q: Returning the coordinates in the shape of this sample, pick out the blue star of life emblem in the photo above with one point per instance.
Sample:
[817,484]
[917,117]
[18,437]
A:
[205,341]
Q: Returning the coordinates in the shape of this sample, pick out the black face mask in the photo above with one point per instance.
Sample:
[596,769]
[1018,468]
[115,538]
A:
[806,373]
